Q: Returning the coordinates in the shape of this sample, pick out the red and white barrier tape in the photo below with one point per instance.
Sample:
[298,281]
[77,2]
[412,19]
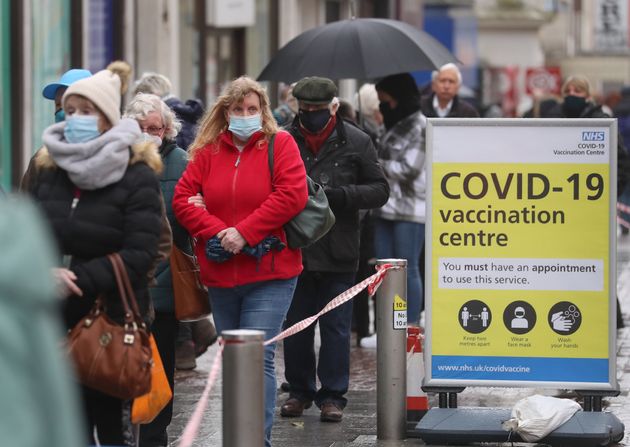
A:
[192,427]
[623,207]
[372,283]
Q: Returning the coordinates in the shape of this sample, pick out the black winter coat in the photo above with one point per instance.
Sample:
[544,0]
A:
[123,217]
[348,168]
[459,109]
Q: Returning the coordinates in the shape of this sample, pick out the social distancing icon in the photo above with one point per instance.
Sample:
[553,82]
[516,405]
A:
[475,316]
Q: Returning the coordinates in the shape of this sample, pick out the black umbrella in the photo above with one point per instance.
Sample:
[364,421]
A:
[358,49]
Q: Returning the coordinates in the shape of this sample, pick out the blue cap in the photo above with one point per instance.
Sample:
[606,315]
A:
[67,78]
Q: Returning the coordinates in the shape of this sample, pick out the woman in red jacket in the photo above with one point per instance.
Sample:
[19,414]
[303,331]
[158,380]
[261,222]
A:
[235,209]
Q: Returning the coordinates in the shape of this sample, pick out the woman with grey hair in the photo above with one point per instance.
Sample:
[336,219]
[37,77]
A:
[189,112]
[158,123]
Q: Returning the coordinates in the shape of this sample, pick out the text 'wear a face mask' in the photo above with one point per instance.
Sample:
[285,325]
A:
[245,126]
[81,128]
[314,120]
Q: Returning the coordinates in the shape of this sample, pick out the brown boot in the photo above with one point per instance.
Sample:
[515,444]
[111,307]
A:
[204,334]
[185,356]
[330,412]
[294,407]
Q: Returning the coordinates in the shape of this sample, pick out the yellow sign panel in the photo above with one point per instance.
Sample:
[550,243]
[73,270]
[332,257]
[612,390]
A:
[399,303]
[519,238]
[542,251]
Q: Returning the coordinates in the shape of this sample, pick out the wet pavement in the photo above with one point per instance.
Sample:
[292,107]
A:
[358,427]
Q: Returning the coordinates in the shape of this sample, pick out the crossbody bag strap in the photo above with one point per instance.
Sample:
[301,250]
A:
[270,156]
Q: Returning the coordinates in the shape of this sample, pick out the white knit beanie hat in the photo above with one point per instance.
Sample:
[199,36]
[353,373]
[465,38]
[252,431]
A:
[102,89]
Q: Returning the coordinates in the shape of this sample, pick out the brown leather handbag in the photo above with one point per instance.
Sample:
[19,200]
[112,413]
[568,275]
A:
[191,297]
[112,358]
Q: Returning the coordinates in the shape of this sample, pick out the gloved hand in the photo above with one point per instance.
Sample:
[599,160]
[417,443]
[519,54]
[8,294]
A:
[215,252]
[336,198]
[265,246]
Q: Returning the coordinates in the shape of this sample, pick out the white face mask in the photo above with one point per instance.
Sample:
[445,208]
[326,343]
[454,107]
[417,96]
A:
[152,138]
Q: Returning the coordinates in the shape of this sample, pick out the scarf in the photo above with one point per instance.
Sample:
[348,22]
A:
[96,163]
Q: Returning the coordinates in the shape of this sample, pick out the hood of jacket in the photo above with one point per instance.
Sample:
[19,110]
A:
[190,111]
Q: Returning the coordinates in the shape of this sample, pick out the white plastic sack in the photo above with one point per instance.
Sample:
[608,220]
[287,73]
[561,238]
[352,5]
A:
[534,417]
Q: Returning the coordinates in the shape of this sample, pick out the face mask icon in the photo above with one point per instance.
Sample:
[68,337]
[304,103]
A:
[519,321]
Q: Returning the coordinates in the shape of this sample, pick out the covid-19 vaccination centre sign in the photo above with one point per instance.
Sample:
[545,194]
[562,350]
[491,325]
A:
[521,253]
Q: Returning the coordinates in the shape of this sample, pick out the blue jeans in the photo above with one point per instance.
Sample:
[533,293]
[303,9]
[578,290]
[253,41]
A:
[261,306]
[403,240]
[315,290]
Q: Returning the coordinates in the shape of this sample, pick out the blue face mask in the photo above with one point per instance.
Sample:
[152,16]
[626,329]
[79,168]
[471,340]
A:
[80,129]
[245,126]
[60,115]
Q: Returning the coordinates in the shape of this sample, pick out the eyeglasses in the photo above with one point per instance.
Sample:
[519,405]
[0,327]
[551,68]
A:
[152,130]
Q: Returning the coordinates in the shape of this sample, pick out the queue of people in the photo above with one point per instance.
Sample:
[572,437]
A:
[97,186]
[166,172]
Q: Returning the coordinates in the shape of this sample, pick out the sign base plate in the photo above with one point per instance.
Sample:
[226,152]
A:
[483,424]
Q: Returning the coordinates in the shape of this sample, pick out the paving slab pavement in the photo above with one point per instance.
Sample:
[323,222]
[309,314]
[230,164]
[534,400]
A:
[358,427]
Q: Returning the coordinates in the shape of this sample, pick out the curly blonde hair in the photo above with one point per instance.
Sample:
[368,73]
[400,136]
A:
[214,121]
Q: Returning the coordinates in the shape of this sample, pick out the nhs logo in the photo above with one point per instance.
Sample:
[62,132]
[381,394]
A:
[593,135]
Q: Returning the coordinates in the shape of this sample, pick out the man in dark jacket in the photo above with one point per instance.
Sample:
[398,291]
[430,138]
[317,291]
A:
[343,160]
[444,101]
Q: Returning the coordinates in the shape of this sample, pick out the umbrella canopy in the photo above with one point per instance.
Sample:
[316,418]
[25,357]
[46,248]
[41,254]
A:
[356,48]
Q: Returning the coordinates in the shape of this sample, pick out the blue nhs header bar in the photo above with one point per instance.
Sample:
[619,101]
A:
[593,136]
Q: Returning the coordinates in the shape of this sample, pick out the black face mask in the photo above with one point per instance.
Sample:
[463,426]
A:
[391,116]
[314,120]
[573,106]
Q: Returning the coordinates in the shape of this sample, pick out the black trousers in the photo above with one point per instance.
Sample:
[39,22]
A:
[109,416]
[360,304]
[164,330]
